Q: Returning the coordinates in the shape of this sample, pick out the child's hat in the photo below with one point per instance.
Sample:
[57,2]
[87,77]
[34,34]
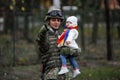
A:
[73,20]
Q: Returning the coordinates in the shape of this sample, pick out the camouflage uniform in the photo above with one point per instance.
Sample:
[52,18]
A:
[49,53]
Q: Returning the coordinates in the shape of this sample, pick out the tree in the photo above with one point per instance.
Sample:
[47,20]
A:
[108,33]
[95,5]
[8,23]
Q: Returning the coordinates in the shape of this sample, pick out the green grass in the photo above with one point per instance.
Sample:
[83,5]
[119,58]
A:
[97,73]
[33,68]
[100,73]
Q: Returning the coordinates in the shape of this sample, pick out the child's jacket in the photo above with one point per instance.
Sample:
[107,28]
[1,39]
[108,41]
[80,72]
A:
[68,35]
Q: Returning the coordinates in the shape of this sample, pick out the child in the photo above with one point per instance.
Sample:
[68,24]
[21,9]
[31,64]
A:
[67,38]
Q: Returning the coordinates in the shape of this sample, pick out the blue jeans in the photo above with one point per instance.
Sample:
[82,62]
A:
[72,60]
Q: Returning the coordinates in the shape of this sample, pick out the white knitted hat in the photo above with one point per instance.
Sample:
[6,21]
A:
[73,20]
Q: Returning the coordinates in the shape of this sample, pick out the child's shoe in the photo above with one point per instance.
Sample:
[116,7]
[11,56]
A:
[63,70]
[76,72]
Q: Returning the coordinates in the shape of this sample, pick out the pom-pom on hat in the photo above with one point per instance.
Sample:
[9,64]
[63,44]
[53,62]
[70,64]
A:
[73,20]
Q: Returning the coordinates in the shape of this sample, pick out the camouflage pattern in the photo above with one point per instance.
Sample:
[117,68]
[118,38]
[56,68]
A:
[70,51]
[50,55]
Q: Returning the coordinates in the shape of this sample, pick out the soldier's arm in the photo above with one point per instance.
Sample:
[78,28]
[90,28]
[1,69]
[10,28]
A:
[42,39]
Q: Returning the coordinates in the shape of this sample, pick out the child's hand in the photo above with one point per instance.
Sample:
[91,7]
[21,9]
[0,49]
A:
[67,42]
[65,29]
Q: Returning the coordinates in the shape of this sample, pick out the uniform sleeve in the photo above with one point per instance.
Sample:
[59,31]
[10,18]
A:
[42,40]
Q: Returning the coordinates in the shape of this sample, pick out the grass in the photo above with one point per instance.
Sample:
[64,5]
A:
[100,73]
[105,72]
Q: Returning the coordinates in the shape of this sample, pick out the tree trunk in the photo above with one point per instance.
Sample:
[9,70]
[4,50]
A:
[8,23]
[26,20]
[108,33]
[95,29]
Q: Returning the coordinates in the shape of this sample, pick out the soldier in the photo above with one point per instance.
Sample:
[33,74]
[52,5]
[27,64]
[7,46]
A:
[47,43]
[49,51]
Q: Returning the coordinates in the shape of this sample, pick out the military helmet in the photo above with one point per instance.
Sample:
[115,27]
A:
[54,13]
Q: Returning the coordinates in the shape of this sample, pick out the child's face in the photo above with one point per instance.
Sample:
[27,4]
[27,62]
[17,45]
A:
[69,24]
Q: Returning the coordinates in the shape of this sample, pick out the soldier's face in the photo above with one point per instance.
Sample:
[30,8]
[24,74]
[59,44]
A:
[55,23]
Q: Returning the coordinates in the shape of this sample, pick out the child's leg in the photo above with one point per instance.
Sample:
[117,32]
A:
[63,60]
[75,65]
[73,62]
[64,66]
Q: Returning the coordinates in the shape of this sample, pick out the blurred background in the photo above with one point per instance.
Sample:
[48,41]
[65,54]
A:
[99,37]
